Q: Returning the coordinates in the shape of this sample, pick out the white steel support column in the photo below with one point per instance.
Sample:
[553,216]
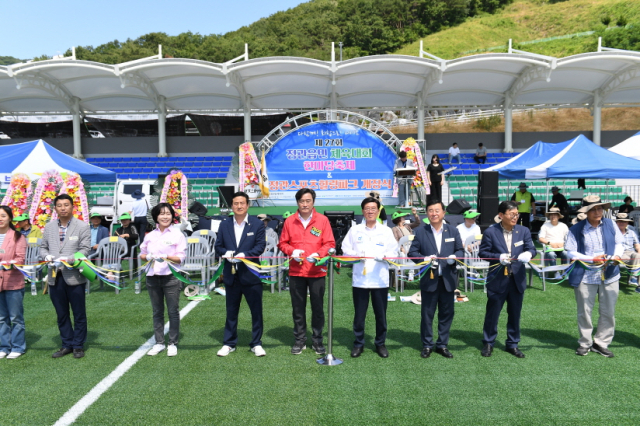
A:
[420,118]
[334,104]
[162,134]
[247,118]
[508,129]
[77,140]
[597,118]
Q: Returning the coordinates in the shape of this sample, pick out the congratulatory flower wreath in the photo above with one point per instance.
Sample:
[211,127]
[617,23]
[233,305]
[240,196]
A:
[175,192]
[18,196]
[46,190]
[74,186]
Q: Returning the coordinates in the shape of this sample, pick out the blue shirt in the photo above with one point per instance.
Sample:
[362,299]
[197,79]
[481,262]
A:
[94,235]
[593,244]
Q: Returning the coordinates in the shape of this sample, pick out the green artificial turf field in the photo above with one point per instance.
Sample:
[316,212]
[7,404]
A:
[550,386]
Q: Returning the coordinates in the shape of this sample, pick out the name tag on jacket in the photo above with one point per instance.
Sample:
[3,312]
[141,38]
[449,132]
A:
[249,234]
[518,244]
[449,240]
[73,238]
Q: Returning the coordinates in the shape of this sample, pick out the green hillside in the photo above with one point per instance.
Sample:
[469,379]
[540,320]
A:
[8,60]
[533,21]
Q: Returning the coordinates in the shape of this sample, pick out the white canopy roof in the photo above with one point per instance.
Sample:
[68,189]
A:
[390,81]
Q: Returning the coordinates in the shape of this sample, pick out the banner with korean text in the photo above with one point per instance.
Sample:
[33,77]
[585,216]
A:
[340,161]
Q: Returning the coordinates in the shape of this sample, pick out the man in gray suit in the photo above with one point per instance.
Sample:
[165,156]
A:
[62,239]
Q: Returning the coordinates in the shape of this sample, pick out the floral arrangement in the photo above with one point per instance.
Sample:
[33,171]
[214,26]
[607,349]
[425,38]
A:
[249,166]
[413,153]
[73,185]
[175,192]
[46,190]
[19,194]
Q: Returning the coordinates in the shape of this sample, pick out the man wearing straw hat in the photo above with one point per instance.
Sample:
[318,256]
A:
[595,241]
[631,244]
[553,234]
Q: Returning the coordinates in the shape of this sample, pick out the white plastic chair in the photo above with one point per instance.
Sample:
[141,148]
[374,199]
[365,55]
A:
[109,255]
[32,258]
[268,257]
[198,257]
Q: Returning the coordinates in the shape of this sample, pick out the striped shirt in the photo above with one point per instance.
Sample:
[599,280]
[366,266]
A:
[629,240]
[594,245]
[63,229]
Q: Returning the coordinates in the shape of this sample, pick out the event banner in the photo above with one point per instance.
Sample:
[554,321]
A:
[337,160]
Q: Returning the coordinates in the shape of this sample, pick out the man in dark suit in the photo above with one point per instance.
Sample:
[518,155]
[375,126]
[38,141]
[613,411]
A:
[241,236]
[437,241]
[508,247]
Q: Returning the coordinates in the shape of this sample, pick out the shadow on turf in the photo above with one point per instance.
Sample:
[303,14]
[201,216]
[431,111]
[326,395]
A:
[550,339]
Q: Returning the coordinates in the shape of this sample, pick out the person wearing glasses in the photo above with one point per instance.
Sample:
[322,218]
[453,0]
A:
[509,248]
[305,237]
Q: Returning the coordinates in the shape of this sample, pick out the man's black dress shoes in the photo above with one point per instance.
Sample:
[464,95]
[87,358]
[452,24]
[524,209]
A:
[486,350]
[62,352]
[382,351]
[444,352]
[356,351]
[515,352]
[426,353]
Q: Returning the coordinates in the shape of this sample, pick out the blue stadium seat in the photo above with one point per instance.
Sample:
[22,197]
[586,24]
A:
[153,176]
[143,176]
[224,169]
[123,176]
[457,172]
[157,170]
[198,164]
[464,166]
[191,158]
[179,164]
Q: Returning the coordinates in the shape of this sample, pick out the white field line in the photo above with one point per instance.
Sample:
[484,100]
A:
[74,412]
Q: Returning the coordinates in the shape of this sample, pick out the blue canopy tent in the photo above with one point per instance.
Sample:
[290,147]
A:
[36,157]
[573,159]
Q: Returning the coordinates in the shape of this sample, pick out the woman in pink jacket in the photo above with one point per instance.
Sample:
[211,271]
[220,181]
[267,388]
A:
[13,249]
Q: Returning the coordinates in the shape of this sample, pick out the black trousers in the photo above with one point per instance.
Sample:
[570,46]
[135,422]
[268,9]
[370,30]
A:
[495,302]
[479,159]
[141,226]
[62,296]
[253,295]
[165,288]
[436,192]
[443,301]
[298,288]
[379,300]
[524,220]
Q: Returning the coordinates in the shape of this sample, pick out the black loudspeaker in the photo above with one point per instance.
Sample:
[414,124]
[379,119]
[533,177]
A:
[226,195]
[487,184]
[458,206]
[454,219]
[488,209]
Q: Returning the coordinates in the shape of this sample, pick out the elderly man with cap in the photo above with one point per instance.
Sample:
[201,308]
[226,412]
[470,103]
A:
[469,228]
[98,232]
[595,240]
[23,223]
[552,235]
[630,244]
[526,204]
[139,212]
[269,232]
[401,228]
[558,200]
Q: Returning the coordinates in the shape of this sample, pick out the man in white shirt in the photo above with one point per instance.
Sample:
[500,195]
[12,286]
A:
[553,234]
[469,228]
[373,241]
[454,153]
[630,244]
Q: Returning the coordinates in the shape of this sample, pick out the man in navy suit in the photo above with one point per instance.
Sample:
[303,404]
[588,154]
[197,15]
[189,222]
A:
[509,248]
[435,241]
[241,236]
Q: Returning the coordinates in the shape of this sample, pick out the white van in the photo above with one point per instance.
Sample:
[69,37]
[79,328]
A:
[121,201]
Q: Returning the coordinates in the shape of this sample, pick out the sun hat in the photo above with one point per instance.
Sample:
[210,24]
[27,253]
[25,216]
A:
[125,216]
[555,188]
[396,215]
[263,216]
[416,298]
[580,217]
[95,214]
[554,210]
[623,217]
[137,194]
[470,214]
[591,201]
[20,218]
[523,185]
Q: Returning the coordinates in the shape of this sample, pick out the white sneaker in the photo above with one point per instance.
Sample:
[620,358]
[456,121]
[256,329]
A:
[155,350]
[558,276]
[633,281]
[258,350]
[172,350]
[3,354]
[14,355]
[225,350]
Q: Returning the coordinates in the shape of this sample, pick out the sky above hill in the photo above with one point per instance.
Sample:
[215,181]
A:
[32,28]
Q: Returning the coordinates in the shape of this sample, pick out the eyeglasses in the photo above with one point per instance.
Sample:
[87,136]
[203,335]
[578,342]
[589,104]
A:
[511,216]
[370,210]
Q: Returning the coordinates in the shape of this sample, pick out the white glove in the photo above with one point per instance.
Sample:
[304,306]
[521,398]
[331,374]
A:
[61,259]
[48,258]
[524,257]
[296,255]
[150,257]
[312,258]
[504,259]
[431,258]
[452,259]
[240,256]
[228,254]
[379,259]
[13,262]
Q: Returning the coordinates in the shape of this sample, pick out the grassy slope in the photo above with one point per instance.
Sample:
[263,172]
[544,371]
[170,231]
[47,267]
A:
[550,386]
[526,20]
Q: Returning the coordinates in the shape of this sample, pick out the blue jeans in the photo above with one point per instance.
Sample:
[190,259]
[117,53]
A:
[551,256]
[454,157]
[12,321]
